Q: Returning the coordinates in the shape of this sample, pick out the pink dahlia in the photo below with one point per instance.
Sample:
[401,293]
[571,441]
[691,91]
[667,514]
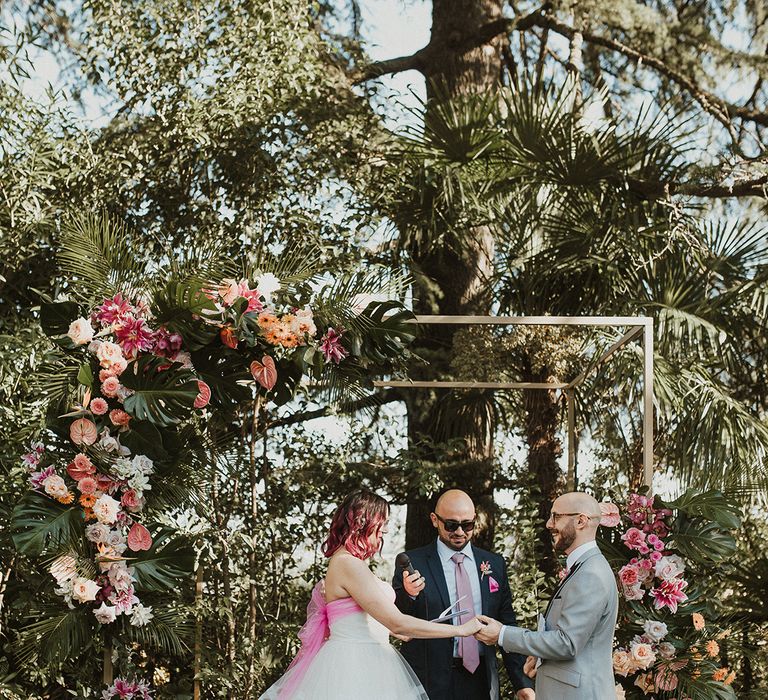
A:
[669,594]
[113,311]
[331,346]
[134,336]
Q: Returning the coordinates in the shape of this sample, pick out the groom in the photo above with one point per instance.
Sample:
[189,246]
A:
[451,571]
[574,642]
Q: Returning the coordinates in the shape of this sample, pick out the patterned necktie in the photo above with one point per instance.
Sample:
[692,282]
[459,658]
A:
[468,651]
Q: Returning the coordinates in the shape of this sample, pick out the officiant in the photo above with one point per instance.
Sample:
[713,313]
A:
[451,572]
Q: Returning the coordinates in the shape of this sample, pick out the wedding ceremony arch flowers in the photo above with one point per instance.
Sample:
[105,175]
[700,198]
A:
[664,647]
[141,357]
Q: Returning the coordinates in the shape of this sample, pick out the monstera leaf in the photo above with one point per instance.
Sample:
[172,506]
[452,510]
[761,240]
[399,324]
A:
[39,523]
[162,395]
[710,505]
[704,541]
[165,565]
[56,316]
[388,331]
[179,306]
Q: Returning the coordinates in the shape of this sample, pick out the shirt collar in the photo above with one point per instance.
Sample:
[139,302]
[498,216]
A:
[577,553]
[445,552]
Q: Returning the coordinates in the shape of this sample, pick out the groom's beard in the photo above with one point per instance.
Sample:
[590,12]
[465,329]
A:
[564,538]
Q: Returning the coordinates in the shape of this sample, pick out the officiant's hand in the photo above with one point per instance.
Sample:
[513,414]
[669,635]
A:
[413,583]
[489,634]
[529,667]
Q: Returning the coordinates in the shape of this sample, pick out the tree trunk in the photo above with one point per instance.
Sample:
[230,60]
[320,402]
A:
[460,270]
[542,412]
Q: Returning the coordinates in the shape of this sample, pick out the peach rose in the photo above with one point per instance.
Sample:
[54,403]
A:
[84,590]
[108,354]
[80,331]
[54,486]
[131,500]
[642,655]
[623,664]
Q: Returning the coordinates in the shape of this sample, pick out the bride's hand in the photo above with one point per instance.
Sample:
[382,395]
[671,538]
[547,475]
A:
[469,628]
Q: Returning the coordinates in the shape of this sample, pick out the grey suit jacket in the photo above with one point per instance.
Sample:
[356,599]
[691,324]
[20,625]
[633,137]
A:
[577,644]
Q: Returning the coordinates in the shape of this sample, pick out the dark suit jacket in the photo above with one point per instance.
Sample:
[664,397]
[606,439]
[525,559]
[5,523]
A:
[431,659]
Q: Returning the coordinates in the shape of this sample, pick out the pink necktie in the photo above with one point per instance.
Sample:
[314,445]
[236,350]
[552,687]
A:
[469,652]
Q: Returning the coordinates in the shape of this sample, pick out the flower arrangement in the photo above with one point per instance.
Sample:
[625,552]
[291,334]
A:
[127,690]
[665,648]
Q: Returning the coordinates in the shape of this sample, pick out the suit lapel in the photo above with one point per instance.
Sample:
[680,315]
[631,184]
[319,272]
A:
[438,575]
[485,586]
[561,586]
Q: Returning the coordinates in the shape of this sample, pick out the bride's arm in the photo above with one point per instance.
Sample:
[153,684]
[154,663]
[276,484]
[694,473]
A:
[368,593]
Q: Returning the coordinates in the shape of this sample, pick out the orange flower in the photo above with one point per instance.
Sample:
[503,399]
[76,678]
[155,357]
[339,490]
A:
[272,337]
[698,621]
[87,500]
[713,648]
[266,320]
[290,341]
[89,514]
[66,499]
[730,678]
[720,674]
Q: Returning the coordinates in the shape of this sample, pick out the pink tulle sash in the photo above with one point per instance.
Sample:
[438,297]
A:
[317,628]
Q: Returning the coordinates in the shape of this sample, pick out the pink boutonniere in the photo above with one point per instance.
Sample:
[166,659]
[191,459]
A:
[485,569]
[493,584]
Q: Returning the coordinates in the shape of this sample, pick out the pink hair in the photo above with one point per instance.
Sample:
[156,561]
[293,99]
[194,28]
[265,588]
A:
[360,515]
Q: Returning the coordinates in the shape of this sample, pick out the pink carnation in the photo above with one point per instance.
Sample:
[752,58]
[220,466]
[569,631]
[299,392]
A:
[98,406]
[110,387]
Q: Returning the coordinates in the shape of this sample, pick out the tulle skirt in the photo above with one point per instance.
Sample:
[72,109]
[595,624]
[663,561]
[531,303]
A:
[347,670]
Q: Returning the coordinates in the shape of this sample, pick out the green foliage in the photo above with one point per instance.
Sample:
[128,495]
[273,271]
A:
[41,524]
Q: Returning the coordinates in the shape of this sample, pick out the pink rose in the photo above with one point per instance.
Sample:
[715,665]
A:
[131,500]
[610,515]
[108,354]
[633,592]
[87,485]
[98,406]
[656,556]
[110,387]
[634,539]
[642,655]
[119,417]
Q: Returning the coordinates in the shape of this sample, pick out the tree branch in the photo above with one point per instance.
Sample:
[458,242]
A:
[388,396]
[757,187]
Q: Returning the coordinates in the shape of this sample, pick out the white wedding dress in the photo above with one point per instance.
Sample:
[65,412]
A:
[356,661]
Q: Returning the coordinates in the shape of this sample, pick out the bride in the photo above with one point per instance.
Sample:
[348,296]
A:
[345,652]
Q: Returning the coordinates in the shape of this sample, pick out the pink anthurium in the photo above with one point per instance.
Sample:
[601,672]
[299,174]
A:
[265,372]
[139,537]
[83,432]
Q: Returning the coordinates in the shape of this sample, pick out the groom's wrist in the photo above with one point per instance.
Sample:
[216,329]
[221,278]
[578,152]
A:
[500,640]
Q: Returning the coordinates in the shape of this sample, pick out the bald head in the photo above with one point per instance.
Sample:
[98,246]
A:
[454,518]
[574,520]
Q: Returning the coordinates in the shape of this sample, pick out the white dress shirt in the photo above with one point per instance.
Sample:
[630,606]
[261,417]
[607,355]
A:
[570,560]
[449,569]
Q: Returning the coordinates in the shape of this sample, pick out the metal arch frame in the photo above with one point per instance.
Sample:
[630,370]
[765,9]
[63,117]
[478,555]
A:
[638,325]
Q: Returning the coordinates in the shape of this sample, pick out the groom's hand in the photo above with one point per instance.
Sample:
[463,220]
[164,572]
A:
[489,634]
[413,583]
[526,694]
[529,667]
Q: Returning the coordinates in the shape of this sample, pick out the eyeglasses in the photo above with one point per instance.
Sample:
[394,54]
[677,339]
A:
[555,516]
[453,525]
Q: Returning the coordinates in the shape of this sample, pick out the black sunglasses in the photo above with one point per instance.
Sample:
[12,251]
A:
[453,525]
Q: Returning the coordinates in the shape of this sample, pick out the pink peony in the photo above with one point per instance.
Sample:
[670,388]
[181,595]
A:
[98,406]
[331,347]
[119,417]
[669,594]
[610,515]
[134,336]
[203,395]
